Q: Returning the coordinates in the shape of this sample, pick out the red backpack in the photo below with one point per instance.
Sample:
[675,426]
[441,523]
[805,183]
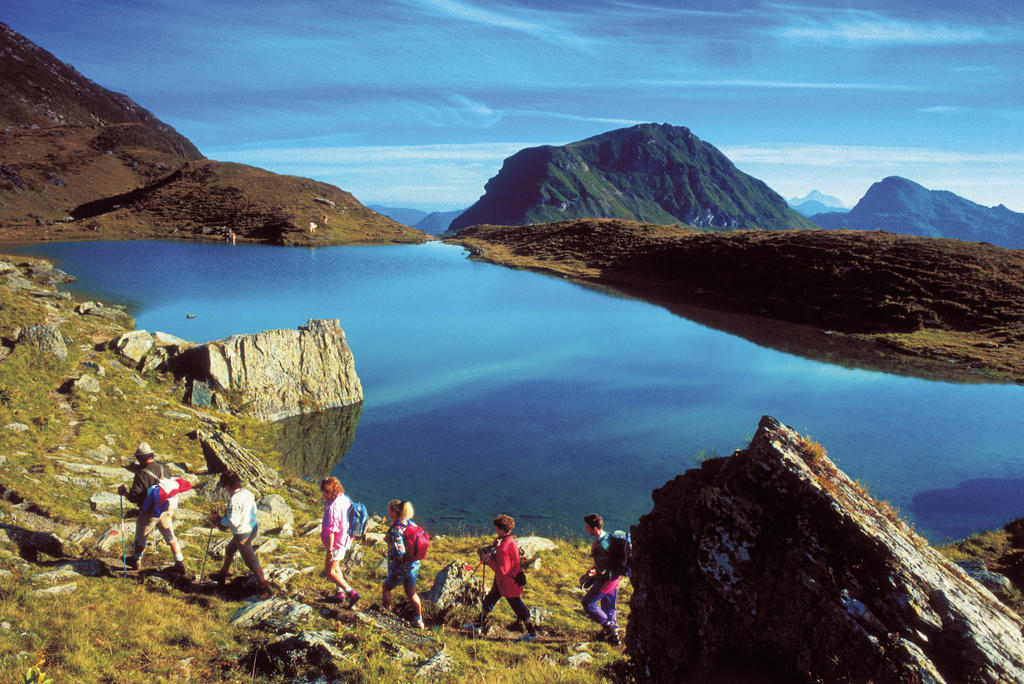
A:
[416,542]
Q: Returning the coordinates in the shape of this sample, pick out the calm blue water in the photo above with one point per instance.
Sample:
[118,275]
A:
[492,390]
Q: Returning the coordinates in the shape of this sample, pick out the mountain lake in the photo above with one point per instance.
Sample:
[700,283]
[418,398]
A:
[491,390]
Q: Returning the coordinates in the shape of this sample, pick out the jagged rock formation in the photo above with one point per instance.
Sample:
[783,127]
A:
[902,206]
[278,373]
[774,562]
[222,453]
[651,173]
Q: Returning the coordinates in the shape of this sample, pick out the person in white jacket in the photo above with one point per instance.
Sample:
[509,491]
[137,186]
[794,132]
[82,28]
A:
[240,518]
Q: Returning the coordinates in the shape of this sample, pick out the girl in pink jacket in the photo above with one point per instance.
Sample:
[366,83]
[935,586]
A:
[334,534]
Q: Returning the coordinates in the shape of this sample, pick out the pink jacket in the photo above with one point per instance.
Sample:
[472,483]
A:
[336,521]
[505,564]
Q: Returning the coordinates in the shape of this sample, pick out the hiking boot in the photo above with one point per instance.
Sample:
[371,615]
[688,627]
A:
[180,569]
[352,600]
[219,577]
[338,597]
[610,634]
[263,591]
[133,562]
[417,622]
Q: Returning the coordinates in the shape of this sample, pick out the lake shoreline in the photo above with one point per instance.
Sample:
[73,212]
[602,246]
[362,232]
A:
[944,354]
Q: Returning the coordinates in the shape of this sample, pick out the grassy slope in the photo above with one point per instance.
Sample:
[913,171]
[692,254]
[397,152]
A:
[937,308]
[118,630]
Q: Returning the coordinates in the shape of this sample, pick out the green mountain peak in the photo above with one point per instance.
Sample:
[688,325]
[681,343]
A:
[654,173]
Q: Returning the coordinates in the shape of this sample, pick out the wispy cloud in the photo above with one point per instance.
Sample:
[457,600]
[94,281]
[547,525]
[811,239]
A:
[780,85]
[542,26]
[858,28]
[805,154]
[944,109]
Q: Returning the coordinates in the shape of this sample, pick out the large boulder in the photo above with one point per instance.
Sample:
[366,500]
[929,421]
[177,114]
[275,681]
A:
[453,585]
[46,338]
[773,563]
[133,345]
[273,513]
[278,373]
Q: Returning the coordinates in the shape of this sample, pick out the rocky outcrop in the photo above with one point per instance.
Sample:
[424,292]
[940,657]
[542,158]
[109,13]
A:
[278,373]
[46,338]
[774,562]
[453,585]
[222,453]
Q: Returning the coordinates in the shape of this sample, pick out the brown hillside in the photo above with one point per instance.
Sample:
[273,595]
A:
[209,199]
[946,308]
[80,161]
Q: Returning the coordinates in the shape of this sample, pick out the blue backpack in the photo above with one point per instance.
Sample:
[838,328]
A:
[621,547]
[357,516]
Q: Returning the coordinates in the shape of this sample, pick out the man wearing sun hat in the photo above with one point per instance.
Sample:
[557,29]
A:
[150,472]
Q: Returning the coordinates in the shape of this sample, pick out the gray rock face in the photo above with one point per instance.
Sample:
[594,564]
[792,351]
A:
[133,345]
[438,668]
[994,581]
[278,613]
[87,384]
[453,586]
[105,501]
[46,338]
[222,453]
[319,649]
[531,547]
[774,559]
[278,373]
[273,512]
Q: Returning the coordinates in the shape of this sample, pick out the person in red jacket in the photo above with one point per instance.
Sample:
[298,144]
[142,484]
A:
[503,559]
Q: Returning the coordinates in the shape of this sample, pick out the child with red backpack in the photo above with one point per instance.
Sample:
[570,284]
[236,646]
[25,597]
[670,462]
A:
[407,545]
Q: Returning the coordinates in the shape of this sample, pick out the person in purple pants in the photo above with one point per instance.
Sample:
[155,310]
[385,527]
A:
[599,601]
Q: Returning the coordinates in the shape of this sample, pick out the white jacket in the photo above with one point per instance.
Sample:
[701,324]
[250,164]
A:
[240,515]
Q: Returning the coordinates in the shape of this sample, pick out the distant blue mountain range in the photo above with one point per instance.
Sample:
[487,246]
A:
[815,202]
[899,205]
[434,223]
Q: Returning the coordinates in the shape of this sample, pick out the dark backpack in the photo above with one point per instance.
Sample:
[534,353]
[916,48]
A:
[416,542]
[621,549]
[357,516]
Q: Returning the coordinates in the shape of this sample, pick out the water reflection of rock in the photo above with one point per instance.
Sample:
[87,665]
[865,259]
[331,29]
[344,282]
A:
[313,443]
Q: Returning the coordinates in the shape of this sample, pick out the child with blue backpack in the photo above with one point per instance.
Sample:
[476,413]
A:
[336,535]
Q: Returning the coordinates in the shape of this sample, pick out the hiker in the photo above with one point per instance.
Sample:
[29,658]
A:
[603,590]
[503,558]
[152,512]
[240,518]
[401,570]
[336,537]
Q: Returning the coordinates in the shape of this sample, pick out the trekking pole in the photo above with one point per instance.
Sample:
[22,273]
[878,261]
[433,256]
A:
[483,590]
[202,570]
[124,553]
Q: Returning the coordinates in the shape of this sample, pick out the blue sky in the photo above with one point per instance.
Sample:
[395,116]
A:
[415,103]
